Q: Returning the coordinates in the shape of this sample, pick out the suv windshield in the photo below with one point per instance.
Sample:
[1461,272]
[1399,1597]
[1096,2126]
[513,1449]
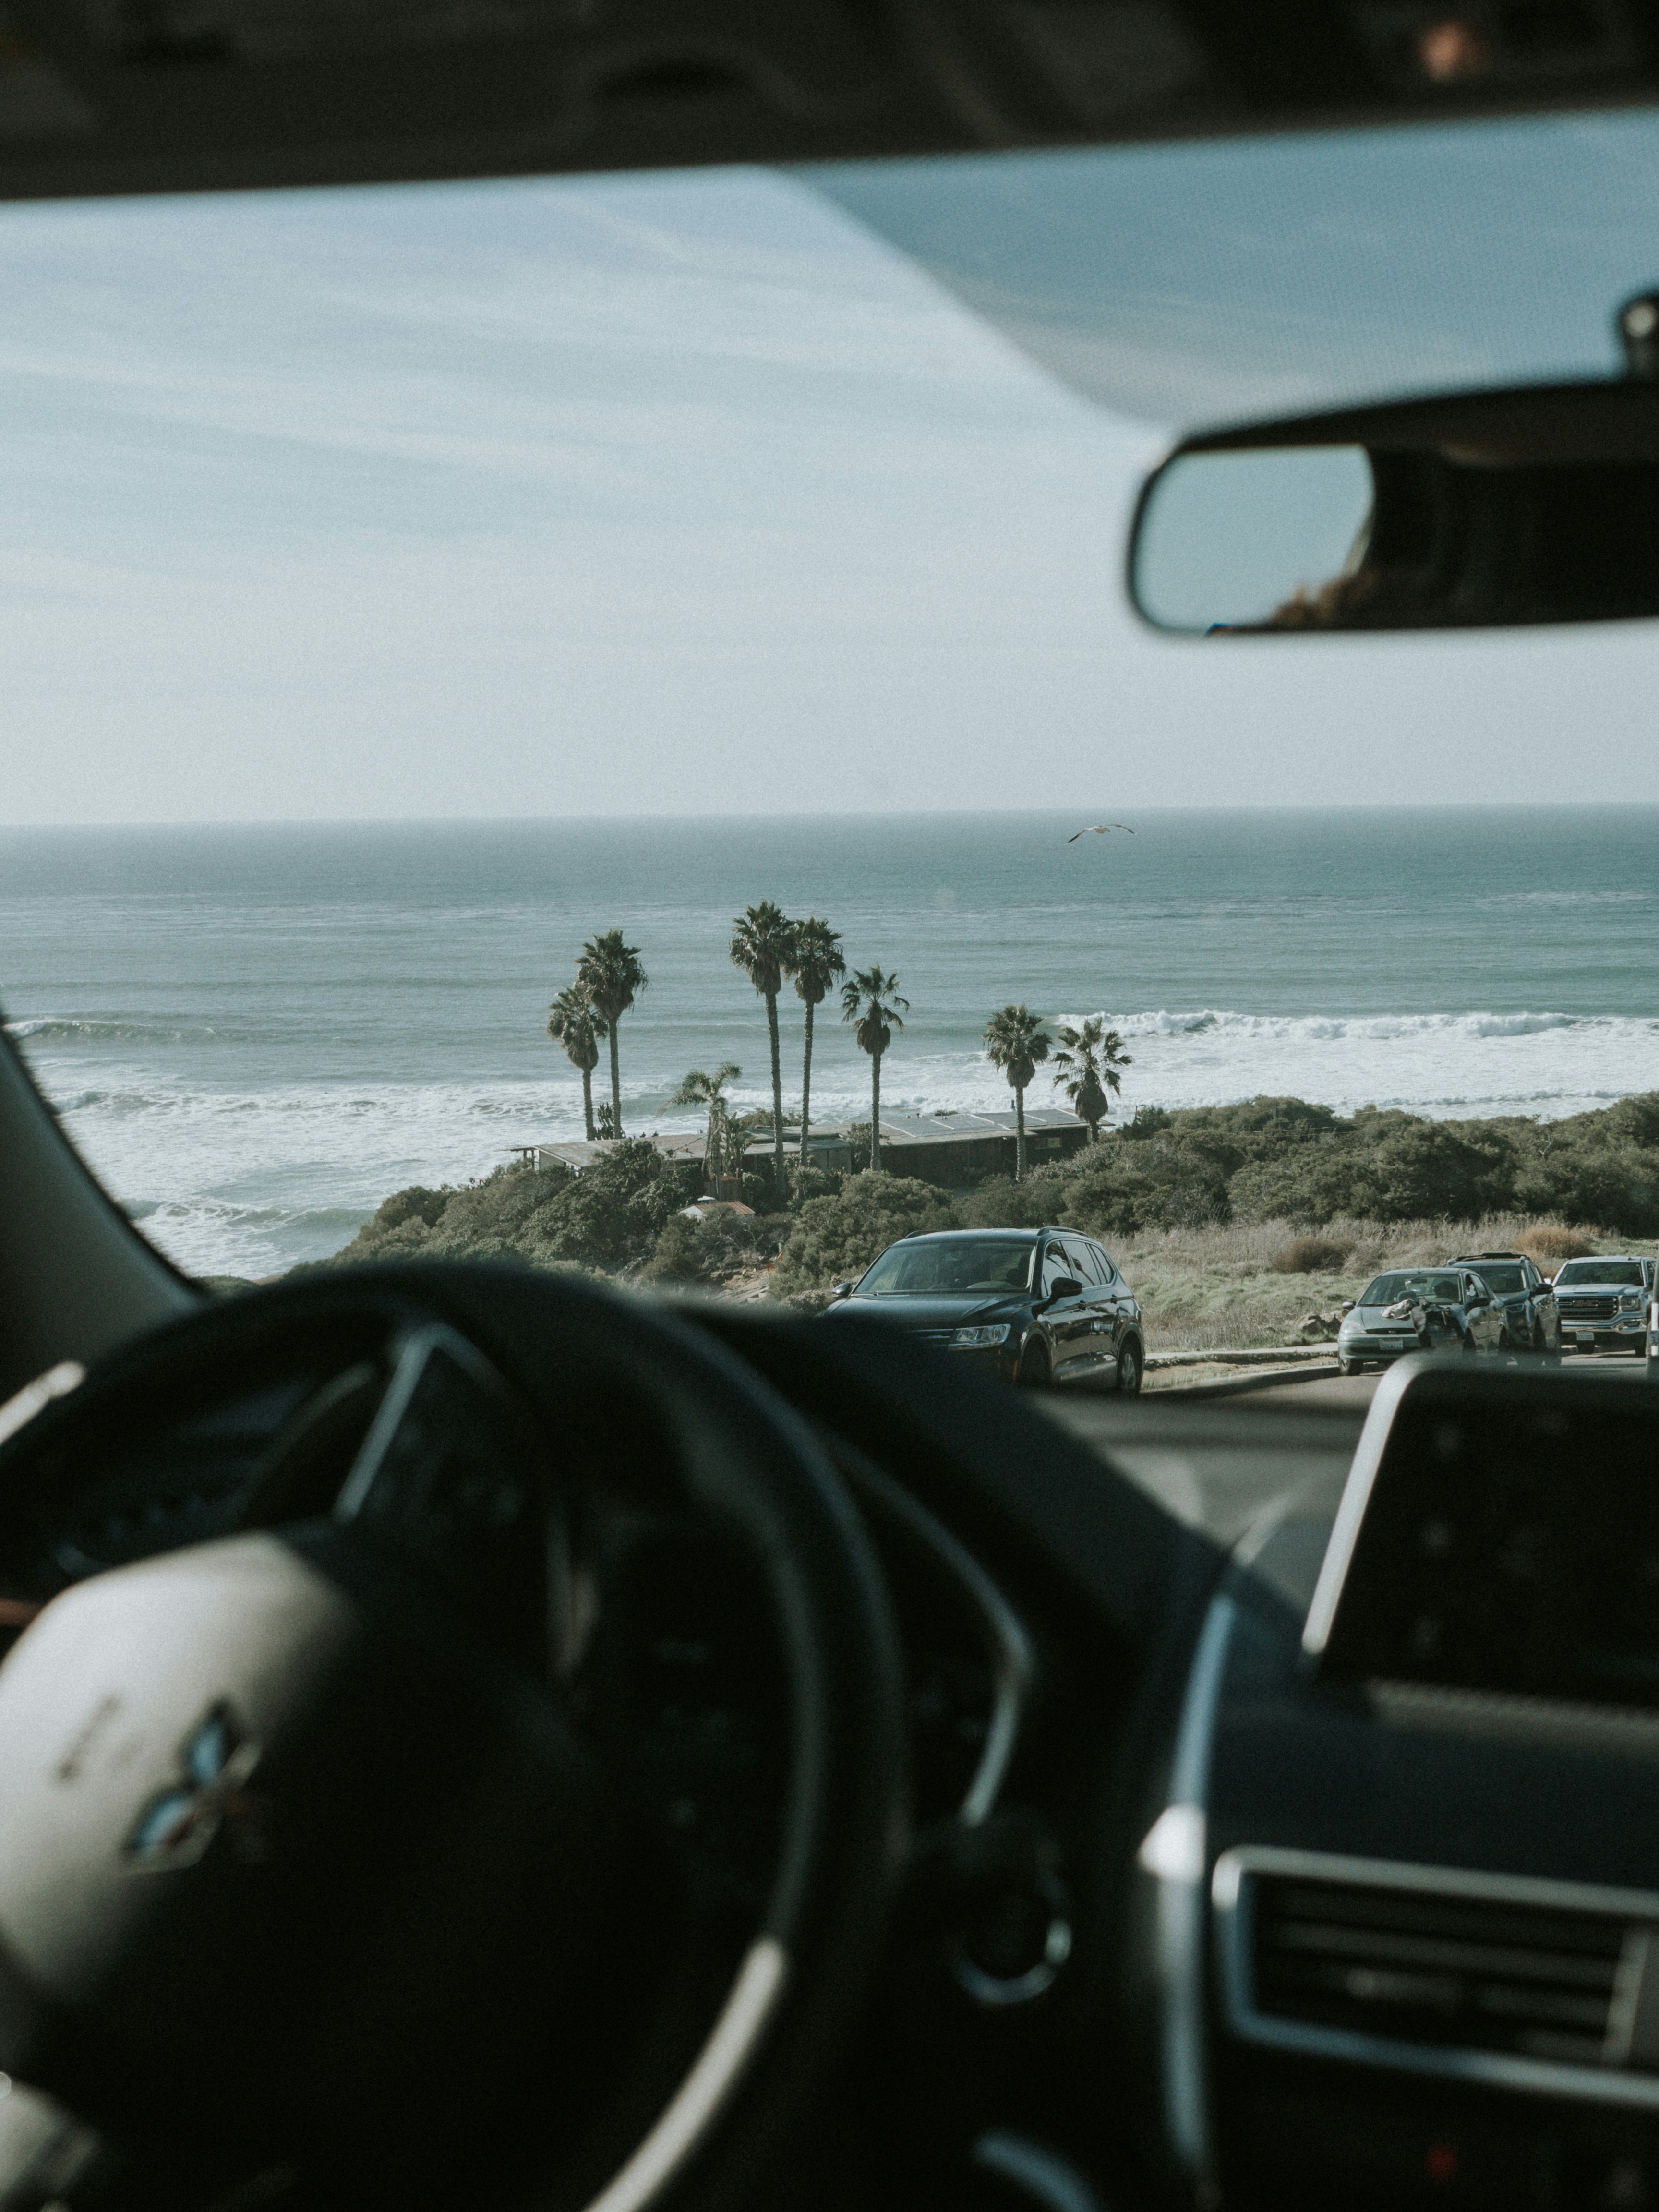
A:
[1627,1271]
[1502,1282]
[950,1267]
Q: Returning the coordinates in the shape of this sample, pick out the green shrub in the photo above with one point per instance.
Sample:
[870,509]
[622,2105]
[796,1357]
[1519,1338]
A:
[609,1218]
[1001,1203]
[835,1239]
[692,1251]
[1124,1185]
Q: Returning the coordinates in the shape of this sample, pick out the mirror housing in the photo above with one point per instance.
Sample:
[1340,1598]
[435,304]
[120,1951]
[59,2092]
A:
[1063,1286]
[840,1290]
[1488,509]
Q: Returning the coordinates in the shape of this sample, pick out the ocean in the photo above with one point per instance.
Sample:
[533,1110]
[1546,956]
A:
[255,1033]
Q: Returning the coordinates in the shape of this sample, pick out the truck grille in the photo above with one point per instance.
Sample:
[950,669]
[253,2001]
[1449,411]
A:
[1587,1309]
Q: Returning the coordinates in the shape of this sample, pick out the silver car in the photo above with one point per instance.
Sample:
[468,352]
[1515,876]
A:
[1603,1302]
[1419,1310]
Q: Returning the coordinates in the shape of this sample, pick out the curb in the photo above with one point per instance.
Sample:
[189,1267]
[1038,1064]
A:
[1282,1355]
[1264,1379]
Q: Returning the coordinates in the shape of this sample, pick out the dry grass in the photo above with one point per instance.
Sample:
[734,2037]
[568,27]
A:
[1309,1256]
[1204,1289]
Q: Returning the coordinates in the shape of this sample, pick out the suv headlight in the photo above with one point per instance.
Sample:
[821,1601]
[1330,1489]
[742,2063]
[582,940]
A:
[981,1340]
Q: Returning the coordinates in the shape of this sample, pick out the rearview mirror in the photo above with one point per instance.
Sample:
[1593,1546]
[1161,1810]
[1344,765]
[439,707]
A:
[1485,509]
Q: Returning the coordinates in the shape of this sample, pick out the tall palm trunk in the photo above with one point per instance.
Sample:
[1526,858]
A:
[806,1085]
[616,1085]
[1019,1133]
[587,1100]
[875,1113]
[780,1180]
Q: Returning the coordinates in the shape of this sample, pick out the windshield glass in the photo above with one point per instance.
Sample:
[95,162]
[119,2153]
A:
[955,1267]
[541,707]
[1624,1271]
[1390,1290]
[1502,1282]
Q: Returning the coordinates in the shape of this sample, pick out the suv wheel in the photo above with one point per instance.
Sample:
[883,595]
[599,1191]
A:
[1036,1371]
[1128,1370]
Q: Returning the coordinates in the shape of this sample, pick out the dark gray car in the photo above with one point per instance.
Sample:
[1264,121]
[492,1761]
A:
[1523,1293]
[1039,1305]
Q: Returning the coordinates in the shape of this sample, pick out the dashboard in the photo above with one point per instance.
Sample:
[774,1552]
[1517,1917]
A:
[1283,1819]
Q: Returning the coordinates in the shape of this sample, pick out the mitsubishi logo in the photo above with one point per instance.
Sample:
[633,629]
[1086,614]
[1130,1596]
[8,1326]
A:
[176,1828]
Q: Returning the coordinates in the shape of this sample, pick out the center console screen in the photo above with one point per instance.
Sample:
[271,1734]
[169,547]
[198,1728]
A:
[1501,1533]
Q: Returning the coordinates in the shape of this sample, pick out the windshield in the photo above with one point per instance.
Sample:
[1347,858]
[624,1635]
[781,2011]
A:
[1502,1282]
[1626,1271]
[1390,1290]
[596,721]
[953,1268]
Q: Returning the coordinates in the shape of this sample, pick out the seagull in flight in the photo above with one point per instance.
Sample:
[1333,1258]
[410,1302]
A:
[1099,829]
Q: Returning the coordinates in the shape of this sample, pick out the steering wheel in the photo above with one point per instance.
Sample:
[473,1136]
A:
[320,1879]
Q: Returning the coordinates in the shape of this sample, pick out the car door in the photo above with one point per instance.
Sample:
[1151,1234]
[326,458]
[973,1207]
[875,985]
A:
[1540,1303]
[1065,1320]
[1482,1313]
[1097,1340]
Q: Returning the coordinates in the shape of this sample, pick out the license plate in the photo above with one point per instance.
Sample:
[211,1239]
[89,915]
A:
[1396,1343]
[1585,1335]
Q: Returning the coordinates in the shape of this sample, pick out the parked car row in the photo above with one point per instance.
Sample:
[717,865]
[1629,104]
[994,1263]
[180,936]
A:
[1044,1306]
[1503,1302]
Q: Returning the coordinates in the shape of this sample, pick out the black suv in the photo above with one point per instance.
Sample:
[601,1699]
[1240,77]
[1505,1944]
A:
[1041,1305]
[1523,1295]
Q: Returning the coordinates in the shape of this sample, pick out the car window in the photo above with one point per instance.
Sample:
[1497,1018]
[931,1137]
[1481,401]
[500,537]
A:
[1055,1264]
[1084,1265]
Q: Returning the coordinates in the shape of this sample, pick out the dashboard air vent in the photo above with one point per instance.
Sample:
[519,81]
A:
[1411,1966]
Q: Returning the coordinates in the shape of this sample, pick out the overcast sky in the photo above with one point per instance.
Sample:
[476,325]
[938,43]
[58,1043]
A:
[742,492]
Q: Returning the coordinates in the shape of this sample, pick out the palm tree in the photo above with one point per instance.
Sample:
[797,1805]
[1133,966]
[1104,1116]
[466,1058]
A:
[1088,1068]
[762,945]
[698,1089]
[574,1022]
[871,999]
[1015,1041]
[815,962]
[610,973]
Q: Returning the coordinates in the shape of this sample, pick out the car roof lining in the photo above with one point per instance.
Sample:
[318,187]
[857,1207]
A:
[114,96]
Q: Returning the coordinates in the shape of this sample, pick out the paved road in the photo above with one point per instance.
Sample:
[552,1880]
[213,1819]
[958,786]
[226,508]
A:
[1356,1390]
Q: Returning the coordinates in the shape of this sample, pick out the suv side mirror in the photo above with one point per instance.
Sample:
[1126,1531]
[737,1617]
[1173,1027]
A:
[840,1290]
[1065,1286]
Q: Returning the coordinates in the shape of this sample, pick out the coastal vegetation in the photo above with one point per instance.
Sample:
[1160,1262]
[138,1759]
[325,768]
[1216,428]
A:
[697,1089]
[610,973]
[1236,1224]
[1016,1042]
[574,1022]
[870,1000]
[1087,1067]
[762,945]
[816,964]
